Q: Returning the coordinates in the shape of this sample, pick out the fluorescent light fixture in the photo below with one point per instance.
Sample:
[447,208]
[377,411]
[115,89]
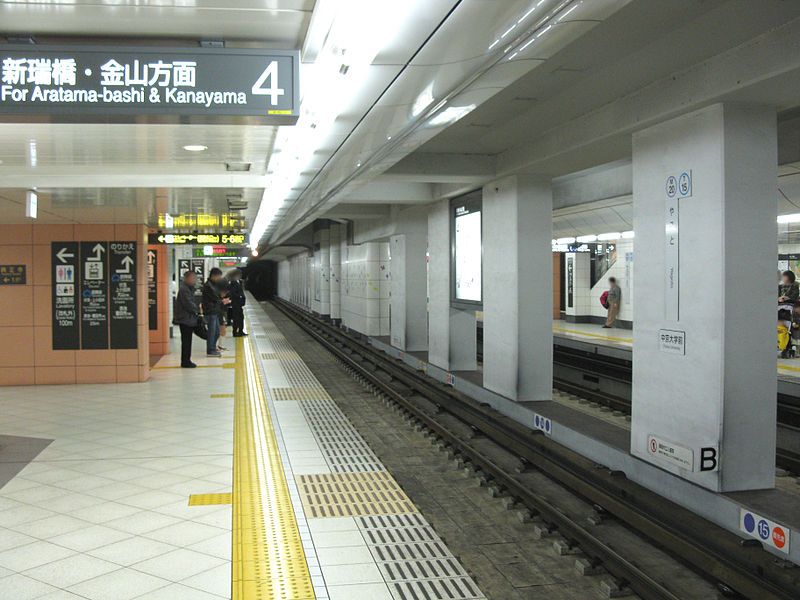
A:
[195,148]
[565,240]
[627,235]
[254,252]
[31,204]
[451,114]
[32,154]
[792,218]
[608,237]
[586,239]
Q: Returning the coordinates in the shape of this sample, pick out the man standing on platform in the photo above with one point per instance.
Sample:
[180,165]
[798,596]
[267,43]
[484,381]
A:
[186,312]
[238,300]
[212,309]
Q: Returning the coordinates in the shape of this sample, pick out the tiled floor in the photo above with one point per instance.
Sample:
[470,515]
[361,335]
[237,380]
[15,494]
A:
[102,513]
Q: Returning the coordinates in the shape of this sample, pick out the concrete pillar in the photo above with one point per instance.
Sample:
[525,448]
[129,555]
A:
[325,272]
[704,385]
[452,338]
[517,288]
[336,271]
[409,319]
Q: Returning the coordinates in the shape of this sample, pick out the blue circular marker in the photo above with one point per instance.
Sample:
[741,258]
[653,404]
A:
[749,523]
[547,425]
[536,420]
[763,529]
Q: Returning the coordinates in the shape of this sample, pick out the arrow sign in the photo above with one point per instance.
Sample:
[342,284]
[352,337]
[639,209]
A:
[98,253]
[151,257]
[127,262]
[63,255]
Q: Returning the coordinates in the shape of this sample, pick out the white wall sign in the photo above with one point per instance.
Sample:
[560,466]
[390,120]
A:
[675,188]
[678,456]
[767,532]
[671,341]
[469,253]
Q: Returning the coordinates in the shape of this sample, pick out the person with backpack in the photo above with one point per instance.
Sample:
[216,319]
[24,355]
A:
[611,300]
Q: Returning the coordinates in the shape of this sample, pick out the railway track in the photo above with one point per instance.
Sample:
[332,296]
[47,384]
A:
[510,455]
[607,381]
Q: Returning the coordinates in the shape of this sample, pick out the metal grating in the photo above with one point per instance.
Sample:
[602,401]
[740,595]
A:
[414,560]
[299,393]
[462,588]
[352,494]
[344,448]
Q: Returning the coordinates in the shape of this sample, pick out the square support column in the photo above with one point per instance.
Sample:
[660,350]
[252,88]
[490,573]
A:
[452,335]
[336,271]
[518,288]
[704,384]
[325,272]
[409,317]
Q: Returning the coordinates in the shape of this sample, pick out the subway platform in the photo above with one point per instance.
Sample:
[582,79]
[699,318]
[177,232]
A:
[239,479]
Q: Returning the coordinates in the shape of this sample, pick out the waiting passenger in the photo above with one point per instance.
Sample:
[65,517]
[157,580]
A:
[614,298]
[788,291]
[236,307]
[185,316]
[212,310]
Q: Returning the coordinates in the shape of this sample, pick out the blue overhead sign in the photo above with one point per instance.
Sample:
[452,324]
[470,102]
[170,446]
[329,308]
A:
[91,83]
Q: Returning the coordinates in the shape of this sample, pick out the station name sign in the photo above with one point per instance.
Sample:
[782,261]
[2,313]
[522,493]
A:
[213,239]
[91,83]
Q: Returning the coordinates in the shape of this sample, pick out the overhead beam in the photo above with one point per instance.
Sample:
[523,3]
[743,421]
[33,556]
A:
[386,191]
[742,73]
[443,168]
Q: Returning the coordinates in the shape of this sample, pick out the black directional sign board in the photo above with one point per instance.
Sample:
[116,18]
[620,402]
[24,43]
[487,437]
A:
[65,294]
[94,295]
[199,267]
[122,265]
[169,84]
[152,289]
[184,264]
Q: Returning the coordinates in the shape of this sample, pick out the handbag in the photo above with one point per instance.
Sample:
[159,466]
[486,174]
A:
[201,329]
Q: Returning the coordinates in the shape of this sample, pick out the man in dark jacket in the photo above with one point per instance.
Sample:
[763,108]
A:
[213,305]
[236,307]
[185,316]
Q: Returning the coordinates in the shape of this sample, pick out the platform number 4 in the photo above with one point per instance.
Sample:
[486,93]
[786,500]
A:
[270,75]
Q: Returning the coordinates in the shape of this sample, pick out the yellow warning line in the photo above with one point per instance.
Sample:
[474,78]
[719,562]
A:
[268,557]
[219,366]
[783,367]
[593,335]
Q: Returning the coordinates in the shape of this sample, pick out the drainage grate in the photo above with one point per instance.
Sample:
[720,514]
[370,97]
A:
[298,374]
[436,568]
[345,450]
[352,494]
[299,393]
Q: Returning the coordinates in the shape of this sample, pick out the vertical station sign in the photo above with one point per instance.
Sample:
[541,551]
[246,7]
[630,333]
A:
[94,295]
[152,289]
[122,262]
[64,269]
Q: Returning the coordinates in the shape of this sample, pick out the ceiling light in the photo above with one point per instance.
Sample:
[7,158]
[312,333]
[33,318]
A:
[565,240]
[254,252]
[586,239]
[195,147]
[792,218]
[608,237]
[627,235]
[423,101]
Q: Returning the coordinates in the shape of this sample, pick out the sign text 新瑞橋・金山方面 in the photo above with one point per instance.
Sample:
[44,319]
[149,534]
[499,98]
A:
[94,83]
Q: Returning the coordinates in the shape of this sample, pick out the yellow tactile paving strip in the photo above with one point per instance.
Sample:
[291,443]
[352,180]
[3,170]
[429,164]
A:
[593,335]
[268,557]
[352,495]
[210,499]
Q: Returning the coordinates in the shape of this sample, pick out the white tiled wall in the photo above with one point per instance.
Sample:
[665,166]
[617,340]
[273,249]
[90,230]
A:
[365,285]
